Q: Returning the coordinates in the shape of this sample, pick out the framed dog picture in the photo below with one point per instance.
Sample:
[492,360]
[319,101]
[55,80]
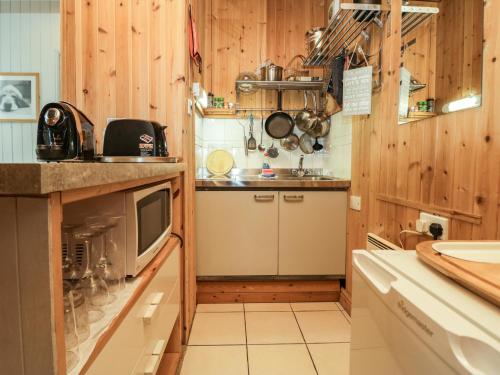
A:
[19,97]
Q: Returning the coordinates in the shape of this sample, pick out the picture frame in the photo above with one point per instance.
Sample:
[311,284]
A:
[19,96]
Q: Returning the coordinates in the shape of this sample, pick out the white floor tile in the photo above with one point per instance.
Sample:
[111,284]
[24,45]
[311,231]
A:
[215,360]
[280,360]
[315,306]
[219,307]
[218,329]
[324,326]
[330,358]
[272,328]
[267,307]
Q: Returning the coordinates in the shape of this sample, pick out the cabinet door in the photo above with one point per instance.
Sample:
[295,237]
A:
[237,233]
[312,233]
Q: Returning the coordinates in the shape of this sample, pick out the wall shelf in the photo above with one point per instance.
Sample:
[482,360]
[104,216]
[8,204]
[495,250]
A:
[282,85]
[344,28]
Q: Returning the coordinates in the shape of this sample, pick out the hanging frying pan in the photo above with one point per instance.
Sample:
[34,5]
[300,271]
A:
[280,124]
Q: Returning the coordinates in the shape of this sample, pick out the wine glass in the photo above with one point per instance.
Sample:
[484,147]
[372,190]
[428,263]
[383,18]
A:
[93,287]
[105,267]
[70,331]
[71,268]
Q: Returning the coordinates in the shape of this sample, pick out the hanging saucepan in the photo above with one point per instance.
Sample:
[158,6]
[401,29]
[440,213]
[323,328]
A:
[304,119]
[321,127]
[290,143]
[305,143]
[279,125]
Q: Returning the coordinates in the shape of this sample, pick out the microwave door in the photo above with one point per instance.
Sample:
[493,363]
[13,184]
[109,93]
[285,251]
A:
[149,222]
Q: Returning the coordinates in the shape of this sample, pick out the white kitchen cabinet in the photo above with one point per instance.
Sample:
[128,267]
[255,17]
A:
[237,233]
[312,232]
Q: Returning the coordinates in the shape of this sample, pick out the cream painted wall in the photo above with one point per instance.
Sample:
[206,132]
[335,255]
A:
[29,42]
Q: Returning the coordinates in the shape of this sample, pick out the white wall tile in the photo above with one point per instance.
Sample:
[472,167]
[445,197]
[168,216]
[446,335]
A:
[335,158]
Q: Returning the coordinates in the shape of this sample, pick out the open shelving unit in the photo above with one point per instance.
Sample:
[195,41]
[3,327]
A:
[320,86]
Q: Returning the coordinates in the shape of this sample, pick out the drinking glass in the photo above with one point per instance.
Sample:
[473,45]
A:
[70,332]
[92,286]
[81,312]
[107,265]
[71,267]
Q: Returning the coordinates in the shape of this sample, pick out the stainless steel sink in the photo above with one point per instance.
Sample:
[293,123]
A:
[305,178]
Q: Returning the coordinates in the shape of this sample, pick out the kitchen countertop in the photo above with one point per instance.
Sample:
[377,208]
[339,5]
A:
[44,178]
[278,183]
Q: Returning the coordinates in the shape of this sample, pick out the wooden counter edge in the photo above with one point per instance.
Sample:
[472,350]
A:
[94,191]
[146,276]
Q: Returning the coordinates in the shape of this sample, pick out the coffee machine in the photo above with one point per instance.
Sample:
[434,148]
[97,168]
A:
[64,133]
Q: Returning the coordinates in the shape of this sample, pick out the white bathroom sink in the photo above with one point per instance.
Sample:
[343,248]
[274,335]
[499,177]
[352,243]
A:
[485,252]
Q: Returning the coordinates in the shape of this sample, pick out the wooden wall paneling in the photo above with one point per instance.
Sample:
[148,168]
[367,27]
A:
[89,64]
[428,161]
[123,44]
[106,75]
[140,59]
[11,339]
[443,178]
[487,174]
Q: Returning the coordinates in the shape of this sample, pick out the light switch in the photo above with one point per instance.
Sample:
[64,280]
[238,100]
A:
[355,202]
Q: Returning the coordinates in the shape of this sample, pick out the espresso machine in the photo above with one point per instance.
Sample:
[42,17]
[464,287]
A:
[64,133]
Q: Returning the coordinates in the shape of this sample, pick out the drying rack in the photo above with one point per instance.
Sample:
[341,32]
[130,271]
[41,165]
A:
[344,28]
[413,17]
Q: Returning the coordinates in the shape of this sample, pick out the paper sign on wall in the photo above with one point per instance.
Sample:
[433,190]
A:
[357,91]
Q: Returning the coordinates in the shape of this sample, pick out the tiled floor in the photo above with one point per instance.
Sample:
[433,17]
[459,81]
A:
[269,339]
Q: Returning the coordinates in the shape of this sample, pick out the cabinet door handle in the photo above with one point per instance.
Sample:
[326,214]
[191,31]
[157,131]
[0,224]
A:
[293,198]
[154,360]
[263,197]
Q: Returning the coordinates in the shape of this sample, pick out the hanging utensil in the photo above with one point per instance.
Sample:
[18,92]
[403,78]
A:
[305,143]
[290,143]
[279,125]
[252,142]
[261,146]
[303,119]
[317,146]
[272,151]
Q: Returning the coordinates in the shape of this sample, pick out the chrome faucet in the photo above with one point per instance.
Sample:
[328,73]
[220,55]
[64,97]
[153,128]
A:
[301,171]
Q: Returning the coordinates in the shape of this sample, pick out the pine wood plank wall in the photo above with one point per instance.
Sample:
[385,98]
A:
[449,164]
[126,58]
[240,34]
[129,58]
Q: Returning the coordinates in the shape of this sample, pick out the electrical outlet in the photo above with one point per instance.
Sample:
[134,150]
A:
[426,220]
[355,202]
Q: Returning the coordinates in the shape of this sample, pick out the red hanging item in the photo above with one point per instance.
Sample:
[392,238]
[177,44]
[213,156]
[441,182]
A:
[193,42]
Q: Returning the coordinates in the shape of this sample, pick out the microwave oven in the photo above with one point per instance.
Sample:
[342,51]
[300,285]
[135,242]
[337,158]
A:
[149,224]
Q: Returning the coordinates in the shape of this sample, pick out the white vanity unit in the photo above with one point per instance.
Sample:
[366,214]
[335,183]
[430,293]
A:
[271,233]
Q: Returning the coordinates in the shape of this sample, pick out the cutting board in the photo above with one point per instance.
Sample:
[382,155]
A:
[481,278]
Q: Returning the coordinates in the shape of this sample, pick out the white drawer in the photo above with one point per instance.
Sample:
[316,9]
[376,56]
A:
[148,322]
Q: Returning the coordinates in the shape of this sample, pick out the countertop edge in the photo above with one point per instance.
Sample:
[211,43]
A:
[35,179]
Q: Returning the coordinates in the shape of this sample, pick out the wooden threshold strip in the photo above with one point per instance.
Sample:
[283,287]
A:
[443,211]
[267,291]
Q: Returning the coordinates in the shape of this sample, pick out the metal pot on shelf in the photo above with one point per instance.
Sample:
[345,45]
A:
[271,73]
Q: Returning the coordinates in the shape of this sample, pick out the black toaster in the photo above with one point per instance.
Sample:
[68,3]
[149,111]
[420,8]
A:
[130,137]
